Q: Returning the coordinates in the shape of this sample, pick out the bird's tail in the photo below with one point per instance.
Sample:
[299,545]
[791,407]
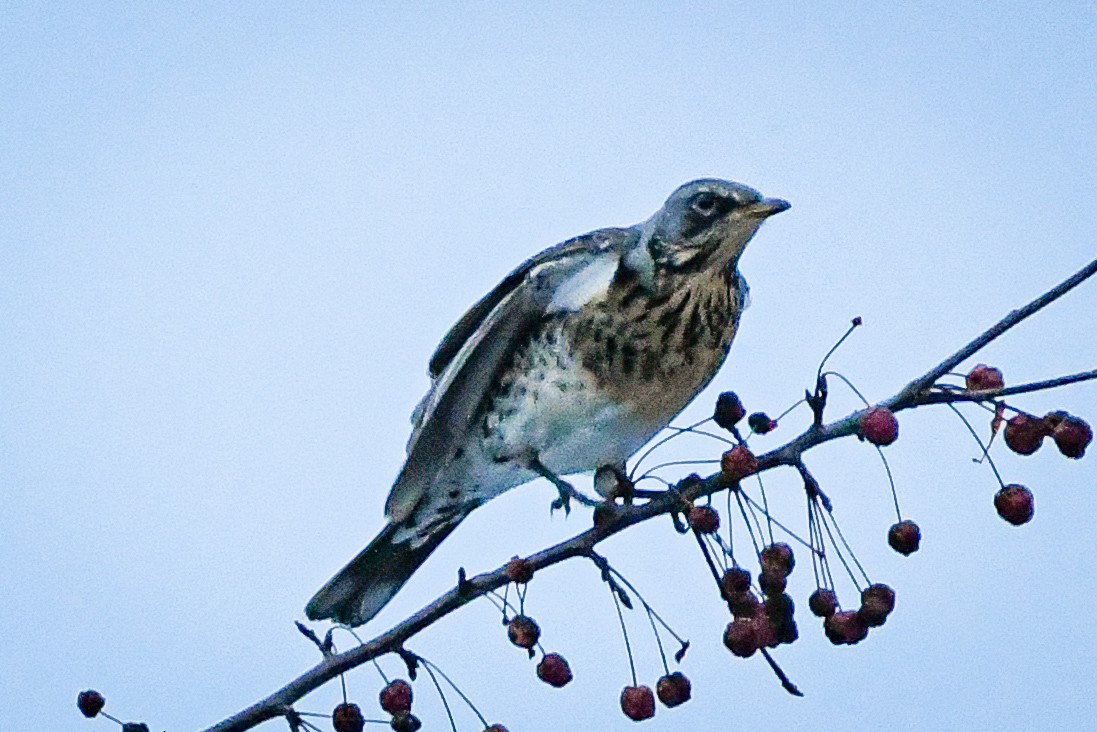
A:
[363,587]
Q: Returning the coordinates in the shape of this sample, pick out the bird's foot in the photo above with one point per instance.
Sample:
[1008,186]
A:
[567,491]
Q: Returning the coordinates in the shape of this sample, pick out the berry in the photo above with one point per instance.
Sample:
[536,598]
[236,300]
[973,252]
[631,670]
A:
[879,426]
[729,410]
[90,703]
[135,727]
[735,580]
[348,718]
[743,604]
[772,584]
[518,570]
[496,728]
[984,377]
[396,697]
[523,631]
[1072,436]
[845,628]
[741,637]
[1015,504]
[777,559]
[405,722]
[704,519]
[823,602]
[1024,434]
[760,423]
[554,670]
[638,703]
[904,537]
[877,602]
[737,463]
[673,689]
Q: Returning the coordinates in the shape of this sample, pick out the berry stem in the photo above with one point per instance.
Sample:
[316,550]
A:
[990,460]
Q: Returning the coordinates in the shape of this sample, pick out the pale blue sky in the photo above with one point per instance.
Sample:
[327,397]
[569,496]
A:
[231,236]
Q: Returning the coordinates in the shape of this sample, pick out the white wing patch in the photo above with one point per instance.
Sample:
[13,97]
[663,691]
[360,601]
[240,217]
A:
[589,284]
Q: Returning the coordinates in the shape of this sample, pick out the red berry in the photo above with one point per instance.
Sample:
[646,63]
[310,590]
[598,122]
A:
[1024,434]
[496,728]
[348,718]
[741,637]
[523,631]
[735,580]
[845,628]
[904,537]
[729,410]
[877,602]
[1015,504]
[743,604]
[90,703]
[772,584]
[879,426]
[396,697]
[777,559]
[704,519]
[638,703]
[984,377]
[823,602]
[518,570]
[554,670]
[405,722]
[737,463]
[1072,436]
[673,689]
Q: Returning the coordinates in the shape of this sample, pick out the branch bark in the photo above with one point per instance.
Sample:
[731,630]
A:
[919,392]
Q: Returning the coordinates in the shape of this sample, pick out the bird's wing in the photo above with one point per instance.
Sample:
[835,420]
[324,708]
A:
[466,363]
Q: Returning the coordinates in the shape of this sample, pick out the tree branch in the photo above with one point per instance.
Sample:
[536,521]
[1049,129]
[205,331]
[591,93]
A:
[611,521]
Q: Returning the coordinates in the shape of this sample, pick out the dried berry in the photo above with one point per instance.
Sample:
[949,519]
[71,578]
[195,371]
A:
[638,703]
[735,580]
[1072,436]
[704,519]
[519,570]
[741,637]
[904,537]
[877,602]
[879,426]
[743,604]
[777,559]
[729,410]
[1015,504]
[523,631]
[554,670]
[823,602]
[348,718]
[90,703]
[845,628]
[760,423]
[984,377]
[737,463]
[135,727]
[673,689]
[1025,434]
[396,697]
[405,722]
[772,584]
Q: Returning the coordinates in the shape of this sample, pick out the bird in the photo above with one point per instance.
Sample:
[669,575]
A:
[570,364]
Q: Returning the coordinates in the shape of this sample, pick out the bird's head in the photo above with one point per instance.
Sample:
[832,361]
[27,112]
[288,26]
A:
[706,223]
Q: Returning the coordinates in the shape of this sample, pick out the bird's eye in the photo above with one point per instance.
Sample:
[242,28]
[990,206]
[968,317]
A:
[705,204]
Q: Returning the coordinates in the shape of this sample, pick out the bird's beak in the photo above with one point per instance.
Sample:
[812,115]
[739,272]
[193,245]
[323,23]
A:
[767,207]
